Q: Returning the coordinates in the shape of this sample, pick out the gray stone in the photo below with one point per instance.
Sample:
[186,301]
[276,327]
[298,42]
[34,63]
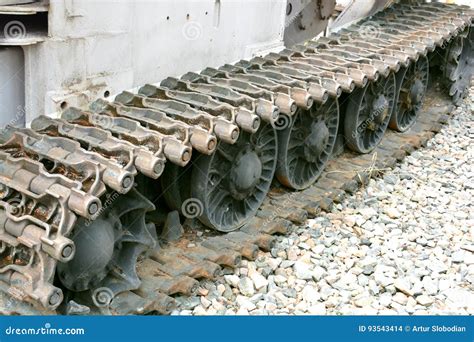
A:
[318,273]
[350,220]
[393,213]
[400,298]
[403,285]
[317,309]
[232,280]
[256,298]
[469,259]
[458,256]
[259,281]
[266,271]
[246,287]
[385,299]
[368,270]
[188,303]
[221,289]
[199,311]
[274,263]
[368,213]
[279,279]
[391,179]
[245,303]
[363,302]
[286,263]
[424,300]
[205,302]
[290,292]
[383,280]
[430,285]
[242,312]
[310,294]
[74,308]
[302,270]
[422,241]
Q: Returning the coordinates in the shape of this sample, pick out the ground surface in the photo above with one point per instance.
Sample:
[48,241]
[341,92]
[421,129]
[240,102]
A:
[404,244]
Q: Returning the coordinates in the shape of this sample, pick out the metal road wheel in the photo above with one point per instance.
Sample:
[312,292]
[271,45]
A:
[107,249]
[228,187]
[368,113]
[458,65]
[412,83]
[306,144]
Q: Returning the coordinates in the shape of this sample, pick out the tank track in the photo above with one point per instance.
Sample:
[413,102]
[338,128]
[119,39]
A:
[67,185]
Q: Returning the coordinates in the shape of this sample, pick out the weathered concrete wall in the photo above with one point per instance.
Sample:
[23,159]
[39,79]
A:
[99,46]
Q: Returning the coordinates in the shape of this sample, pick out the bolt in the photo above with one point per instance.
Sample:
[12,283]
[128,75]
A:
[93,208]
[211,145]
[186,156]
[256,123]
[158,169]
[55,298]
[127,182]
[67,251]
[235,134]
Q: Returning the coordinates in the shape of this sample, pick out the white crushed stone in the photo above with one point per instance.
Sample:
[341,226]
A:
[404,244]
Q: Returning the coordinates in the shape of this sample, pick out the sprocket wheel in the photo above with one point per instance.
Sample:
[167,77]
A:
[458,65]
[108,248]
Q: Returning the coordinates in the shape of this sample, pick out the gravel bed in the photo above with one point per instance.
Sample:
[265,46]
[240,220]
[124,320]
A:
[404,244]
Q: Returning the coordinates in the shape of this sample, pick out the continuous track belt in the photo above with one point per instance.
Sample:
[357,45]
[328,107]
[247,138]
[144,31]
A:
[65,180]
